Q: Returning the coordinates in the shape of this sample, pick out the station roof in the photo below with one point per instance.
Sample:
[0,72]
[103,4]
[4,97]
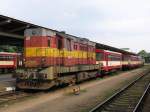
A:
[10,27]
[106,47]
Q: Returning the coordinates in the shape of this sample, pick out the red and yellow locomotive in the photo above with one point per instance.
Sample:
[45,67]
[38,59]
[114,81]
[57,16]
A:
[52,58]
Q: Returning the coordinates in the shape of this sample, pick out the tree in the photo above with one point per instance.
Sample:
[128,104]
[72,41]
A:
[143,54]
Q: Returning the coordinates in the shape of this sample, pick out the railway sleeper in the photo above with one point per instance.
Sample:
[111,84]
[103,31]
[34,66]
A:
[121,103]
[117,104]
[117,109]
[129,96]
[137,88]
[134,97]
[132,94]
[126,99]
[103,111]
[123,108]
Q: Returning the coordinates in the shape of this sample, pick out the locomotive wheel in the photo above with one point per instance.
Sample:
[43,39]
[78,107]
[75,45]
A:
[1,71]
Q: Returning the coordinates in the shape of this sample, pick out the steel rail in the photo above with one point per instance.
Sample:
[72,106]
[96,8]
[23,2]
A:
[95,109]
[139,105]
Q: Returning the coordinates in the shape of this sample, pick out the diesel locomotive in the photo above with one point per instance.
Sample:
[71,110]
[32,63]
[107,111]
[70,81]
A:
[52,58]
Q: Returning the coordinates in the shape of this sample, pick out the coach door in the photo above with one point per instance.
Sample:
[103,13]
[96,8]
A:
[107,61]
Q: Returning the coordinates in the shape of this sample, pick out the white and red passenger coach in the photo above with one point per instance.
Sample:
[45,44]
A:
[109,60]
[8,61]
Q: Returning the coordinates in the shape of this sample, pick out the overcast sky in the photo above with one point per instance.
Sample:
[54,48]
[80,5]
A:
[120,23]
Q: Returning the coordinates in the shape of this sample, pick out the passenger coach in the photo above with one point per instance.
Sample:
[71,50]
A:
[110,61]
[9,61]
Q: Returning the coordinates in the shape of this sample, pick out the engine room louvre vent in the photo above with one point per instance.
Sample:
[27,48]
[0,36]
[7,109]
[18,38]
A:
[39,32]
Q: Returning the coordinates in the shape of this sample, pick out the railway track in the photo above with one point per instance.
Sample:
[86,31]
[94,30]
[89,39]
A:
[144,103]
[15,95]
[129,98]
[10,96]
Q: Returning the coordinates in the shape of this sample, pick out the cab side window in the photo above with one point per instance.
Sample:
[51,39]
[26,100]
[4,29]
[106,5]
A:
[49,42]
[59,43]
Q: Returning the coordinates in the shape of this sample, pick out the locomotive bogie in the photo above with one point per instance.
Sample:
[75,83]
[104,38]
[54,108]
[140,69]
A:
[56,75]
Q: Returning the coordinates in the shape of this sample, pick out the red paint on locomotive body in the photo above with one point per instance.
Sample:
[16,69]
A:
[51,48]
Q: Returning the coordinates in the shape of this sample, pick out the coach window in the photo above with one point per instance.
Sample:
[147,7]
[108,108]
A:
[109,56]
[10,57]
[99,56]
[1,58]
[7,58]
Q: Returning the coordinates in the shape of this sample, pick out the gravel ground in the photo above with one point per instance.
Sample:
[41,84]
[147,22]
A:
[6,80]
[92,93]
